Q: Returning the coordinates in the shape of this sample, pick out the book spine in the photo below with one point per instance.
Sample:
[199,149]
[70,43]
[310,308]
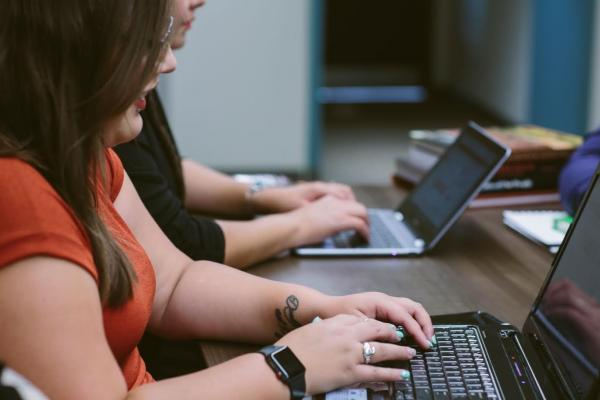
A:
[525,176]
[518,185]
[554,156]
[428,147]
[485,200]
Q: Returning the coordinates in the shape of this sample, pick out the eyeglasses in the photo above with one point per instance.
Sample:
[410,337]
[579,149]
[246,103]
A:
[165,37]
[166,44]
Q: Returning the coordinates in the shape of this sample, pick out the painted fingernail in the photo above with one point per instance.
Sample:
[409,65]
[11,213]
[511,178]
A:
[434,340]
[392,327]
[405,374]
[400,331]
[400,334]
[429,345]
[316,319]
[412,352]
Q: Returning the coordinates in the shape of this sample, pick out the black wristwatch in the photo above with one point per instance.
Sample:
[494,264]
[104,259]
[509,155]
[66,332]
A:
[288,369]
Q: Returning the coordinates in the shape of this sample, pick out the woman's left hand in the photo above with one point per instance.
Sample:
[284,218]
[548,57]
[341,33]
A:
[396,310]
[282,199]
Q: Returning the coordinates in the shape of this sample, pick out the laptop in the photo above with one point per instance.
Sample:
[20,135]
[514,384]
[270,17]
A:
[555,356]
[431,208]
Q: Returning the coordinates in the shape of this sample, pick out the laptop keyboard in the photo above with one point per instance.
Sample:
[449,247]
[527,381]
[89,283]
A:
[454,369]
[383,234]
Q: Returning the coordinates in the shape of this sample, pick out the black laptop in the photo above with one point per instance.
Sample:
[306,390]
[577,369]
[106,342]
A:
[555,356]
[431,208]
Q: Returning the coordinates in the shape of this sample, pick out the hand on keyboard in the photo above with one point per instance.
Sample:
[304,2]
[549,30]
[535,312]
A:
[349,239]
[356,239]
[327,216]
[332,351]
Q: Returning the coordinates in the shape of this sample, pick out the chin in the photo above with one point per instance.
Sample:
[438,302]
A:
[136,130]
[178,41]
[125,130]
[132,129]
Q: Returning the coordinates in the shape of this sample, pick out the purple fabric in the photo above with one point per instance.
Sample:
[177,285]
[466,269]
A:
[578,172]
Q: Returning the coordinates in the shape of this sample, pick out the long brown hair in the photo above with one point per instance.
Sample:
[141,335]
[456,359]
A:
[66,68]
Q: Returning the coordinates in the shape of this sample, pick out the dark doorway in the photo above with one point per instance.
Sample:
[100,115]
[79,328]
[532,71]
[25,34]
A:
[378,43]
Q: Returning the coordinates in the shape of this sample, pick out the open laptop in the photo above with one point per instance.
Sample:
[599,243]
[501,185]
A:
[556,356]
[431,208]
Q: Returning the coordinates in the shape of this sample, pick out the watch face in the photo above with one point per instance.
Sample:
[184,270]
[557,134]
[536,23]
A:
[288,363]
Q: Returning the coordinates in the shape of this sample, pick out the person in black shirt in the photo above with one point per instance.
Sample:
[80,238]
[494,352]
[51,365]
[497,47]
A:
[177,192]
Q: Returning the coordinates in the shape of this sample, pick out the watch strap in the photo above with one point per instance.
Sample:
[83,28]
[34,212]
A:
[296,384]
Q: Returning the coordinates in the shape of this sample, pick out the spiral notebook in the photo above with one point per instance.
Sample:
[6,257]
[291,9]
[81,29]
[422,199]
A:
[544,227]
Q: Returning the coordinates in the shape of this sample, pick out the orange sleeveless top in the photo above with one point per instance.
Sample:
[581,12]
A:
[34,220]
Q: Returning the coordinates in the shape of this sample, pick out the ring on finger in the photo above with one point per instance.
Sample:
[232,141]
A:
[368,352]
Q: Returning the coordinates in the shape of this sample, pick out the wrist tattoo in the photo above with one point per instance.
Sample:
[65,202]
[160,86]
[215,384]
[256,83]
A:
[285,318]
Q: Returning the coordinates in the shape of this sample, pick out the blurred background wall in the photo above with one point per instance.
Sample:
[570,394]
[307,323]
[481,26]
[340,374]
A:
[482,52]
[248,93]
[239,99]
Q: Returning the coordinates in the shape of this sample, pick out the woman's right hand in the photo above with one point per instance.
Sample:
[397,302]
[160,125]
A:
[327,216]
[332,352]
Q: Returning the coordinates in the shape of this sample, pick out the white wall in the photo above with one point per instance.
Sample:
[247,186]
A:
[239,97]
[482,50]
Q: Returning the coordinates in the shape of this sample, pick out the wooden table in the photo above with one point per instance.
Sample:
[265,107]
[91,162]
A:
[479,264]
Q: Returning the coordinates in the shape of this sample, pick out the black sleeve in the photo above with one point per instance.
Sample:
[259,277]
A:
[198,237]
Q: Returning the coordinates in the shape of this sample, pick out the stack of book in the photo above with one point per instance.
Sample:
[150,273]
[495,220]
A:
[529,176]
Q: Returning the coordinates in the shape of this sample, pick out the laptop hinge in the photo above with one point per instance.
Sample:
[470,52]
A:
[550,365]
[528,369]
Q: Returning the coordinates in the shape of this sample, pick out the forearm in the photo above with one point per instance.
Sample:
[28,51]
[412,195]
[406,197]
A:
[248,242]
[214,301]
[209,191]
[245,377]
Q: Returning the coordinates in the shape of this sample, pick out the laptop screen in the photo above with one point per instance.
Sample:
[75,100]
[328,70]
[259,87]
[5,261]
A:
[568,311]
[454,179]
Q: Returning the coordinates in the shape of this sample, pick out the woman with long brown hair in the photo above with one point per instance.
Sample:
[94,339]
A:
[84,269]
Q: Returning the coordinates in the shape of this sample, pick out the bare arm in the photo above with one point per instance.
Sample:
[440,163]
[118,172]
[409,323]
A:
[204,299]
[248,242]
[209,191]
[56,330]
[56,339]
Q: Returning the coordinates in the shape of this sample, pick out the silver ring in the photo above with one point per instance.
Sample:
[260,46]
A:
[368,352]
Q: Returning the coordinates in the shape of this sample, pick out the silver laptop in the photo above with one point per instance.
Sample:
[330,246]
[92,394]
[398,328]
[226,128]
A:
[425,215]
